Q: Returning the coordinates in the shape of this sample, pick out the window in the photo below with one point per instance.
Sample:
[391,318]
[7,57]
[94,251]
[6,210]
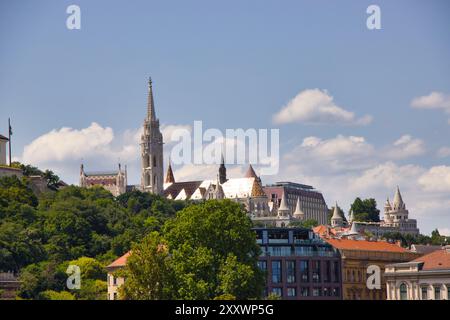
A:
[336,292]
[262,265]
[276,271]
[316,292]
[316,271]
[154,161]
[279,251]
[424,293]
[115,296]
[336,271]
[437,293]
[327,274]
[304,291]
[403,292]
[304,271]
[114,280]
[277,291]
[290,271]
[303,251]
[291,292]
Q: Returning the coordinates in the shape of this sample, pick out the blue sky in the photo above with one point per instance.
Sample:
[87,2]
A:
[235,64]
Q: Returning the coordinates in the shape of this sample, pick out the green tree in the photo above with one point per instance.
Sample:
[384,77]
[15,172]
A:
[206,240]
[365,210]
[308,223]
[39,277]
[54,295]
[437,239]
[147,270]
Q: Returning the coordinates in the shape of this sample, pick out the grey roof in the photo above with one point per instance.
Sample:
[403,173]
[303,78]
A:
[424,249]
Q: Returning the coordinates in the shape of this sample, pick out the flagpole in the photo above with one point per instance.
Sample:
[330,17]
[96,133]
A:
[9,136]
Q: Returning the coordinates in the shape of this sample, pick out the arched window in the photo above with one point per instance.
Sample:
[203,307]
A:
[403,292]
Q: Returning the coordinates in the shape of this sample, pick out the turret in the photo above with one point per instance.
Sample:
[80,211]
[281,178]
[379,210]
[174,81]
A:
[298,213]
[398,201]
[336,219]
[283,210]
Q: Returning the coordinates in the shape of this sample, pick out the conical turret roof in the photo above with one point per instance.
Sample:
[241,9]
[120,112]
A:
[398,201]
[250,172]
[298,213]
[336,214]
[257,190]
[283,205]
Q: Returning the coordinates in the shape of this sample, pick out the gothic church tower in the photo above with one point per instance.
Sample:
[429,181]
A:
[151,149]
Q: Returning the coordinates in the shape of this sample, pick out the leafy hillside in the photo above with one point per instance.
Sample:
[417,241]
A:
[40,236]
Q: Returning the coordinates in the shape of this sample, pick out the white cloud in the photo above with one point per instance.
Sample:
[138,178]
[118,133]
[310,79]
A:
[168,130]
[443,152]
[385,176]
[63,150]
[405,147]
[340,146]
[318,107]
[435,100]
[436,179]
[335,154]
[444,232]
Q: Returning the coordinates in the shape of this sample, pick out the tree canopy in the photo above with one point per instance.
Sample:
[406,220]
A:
[365,210]
[211,252]
[41,235]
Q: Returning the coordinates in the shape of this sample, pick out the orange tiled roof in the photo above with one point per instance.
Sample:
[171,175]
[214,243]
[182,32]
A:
[120,262]
[348,244]
[321,230]
[437,260]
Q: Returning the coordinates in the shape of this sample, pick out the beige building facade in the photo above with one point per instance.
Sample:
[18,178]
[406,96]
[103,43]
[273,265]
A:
[425,278]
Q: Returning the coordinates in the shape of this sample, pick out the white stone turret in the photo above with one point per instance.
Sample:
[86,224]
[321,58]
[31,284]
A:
[398,201]
[298,213]
[283,210]
[336,219]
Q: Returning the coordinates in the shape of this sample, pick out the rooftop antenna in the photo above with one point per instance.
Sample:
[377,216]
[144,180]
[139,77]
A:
[9,137]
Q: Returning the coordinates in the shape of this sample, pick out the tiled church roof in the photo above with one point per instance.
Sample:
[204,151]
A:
[257,190]
[175,188]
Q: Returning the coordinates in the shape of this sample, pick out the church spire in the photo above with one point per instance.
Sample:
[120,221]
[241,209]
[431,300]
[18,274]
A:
[169,176]
[150,103]
[222,171]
